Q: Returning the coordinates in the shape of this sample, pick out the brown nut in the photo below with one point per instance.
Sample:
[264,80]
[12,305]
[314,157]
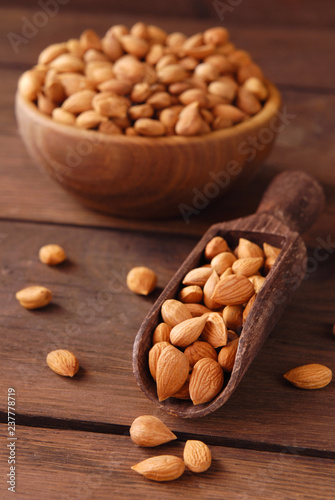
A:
[141,280]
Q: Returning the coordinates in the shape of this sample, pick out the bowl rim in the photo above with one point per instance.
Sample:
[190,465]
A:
[271,106]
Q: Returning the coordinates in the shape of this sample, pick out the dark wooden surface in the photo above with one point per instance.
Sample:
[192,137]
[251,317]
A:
[92,465]
[270,440]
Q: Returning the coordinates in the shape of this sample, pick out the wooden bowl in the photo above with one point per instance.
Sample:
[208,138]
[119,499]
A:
[148,177]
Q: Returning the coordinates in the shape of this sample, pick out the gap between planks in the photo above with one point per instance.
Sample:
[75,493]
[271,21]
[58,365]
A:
[123,430]
[140,225]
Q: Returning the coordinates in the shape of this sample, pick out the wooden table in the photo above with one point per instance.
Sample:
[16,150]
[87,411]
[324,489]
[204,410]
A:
[271,440]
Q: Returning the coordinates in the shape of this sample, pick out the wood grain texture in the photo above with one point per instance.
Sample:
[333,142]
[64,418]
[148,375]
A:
[164,8]
[295,199]
[144,177]
[280,12]
[71,465]
[283,438]
[96,317]
[304,143]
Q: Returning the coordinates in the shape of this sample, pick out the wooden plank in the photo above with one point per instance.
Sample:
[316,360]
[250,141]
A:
[277,13]
[59,465]
[265,413]
[95,316]
[164,8]
[305,143]
[258,12]
[280,52]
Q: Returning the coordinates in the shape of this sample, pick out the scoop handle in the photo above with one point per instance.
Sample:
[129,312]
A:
[295,198]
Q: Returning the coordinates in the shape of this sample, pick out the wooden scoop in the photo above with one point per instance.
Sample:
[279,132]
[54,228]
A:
[291,204]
